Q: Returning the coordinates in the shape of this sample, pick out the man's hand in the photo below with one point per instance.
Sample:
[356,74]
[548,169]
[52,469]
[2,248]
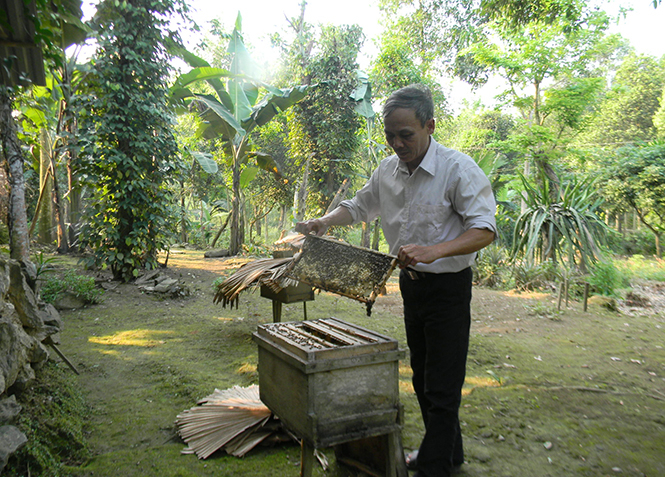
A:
[315,226]
[470,241]
[412,254]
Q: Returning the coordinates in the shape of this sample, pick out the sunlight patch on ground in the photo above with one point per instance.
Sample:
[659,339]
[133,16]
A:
[246,368]
[406,387]
[146,338]
[527,294]
[472,382]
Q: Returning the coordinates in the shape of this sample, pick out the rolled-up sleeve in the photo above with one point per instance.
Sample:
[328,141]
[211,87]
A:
[474,200]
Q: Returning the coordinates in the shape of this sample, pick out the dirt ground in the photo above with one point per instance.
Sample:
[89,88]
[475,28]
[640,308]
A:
[548,393]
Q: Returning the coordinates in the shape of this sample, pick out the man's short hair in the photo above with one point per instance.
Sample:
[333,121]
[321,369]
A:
[416,97]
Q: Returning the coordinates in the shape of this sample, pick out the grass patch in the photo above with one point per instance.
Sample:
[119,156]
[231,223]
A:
[81,286]
[642,268]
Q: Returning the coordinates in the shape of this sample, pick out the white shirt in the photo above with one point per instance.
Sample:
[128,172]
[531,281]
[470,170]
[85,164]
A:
[445,196]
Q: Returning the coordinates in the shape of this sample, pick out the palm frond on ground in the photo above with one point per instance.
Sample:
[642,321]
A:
[234,419]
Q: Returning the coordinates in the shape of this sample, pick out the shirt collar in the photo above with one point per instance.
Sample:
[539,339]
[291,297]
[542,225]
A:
[428,164]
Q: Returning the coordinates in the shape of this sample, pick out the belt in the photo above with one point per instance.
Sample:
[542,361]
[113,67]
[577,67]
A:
[416,275]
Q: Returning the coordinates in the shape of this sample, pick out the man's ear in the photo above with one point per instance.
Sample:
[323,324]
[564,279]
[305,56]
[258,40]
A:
[430,125]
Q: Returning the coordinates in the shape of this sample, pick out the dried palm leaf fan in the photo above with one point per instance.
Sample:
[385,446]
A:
[234,419]
[338,267]
[264,271]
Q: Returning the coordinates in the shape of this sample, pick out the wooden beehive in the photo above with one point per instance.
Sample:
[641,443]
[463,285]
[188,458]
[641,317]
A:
[329,381]
[338,267]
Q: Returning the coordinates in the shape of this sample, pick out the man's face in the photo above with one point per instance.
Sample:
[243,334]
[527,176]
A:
[408,138]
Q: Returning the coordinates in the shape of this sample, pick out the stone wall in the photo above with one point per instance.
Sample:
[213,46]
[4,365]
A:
[27,327]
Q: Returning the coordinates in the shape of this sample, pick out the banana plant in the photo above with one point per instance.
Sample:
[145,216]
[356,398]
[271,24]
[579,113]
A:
[233,112]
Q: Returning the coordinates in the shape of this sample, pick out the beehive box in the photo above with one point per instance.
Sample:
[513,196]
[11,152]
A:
[335,266]
[329,381]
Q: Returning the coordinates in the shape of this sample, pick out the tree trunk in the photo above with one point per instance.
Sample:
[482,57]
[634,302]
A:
[301,195]
[19,240]
[63,243]
[339,196]
[44,215]
[183,214]
[236,232]
[658,251]
[376,236]
[364,238]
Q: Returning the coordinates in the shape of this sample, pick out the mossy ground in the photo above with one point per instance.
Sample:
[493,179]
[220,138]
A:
[548,393]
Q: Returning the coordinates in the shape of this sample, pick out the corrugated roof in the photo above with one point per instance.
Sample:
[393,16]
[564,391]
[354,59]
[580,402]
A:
[21,61]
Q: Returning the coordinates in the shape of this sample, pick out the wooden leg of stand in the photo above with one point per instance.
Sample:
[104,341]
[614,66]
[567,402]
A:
[304,309]
[276,311]
[395,464]
[306,459]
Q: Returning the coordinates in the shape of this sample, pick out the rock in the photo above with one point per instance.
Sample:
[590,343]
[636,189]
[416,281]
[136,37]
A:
[604,301]
[26,376]
[9,409]
[146,277]
[160,279]
[16,345]
[217,253]
[11,440]
[165,285]
[23,297]
[634,299]
[68,301]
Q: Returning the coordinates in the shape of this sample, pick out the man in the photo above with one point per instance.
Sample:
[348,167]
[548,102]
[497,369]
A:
[437,210]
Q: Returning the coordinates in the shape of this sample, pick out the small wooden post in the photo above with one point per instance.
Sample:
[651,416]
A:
[558,306]
[306,458]
[567,282]
[276,311]
[586,295]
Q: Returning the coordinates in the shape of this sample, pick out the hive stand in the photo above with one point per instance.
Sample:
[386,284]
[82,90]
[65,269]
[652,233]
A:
[377,456]
[291,294]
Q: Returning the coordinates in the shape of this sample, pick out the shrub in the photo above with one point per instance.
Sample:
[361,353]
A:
[81,286]
[491,266]
[529,276]
[605,278]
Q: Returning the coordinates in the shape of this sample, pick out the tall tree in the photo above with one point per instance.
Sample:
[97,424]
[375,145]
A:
[325,123]
[626,114]
[553,74]
[636,176]
[129,152]
[232,114]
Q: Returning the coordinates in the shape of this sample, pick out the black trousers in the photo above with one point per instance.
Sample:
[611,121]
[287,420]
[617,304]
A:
[437,316]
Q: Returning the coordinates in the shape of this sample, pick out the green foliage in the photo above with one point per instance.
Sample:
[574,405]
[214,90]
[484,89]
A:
[636,177]
[43,265]
[129,152]
[233,113]
[605,278]
[80,286]
[530,276]
[491,268]
[626,115]
[53,419]
[326,120]
[638,267]
[564,227]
